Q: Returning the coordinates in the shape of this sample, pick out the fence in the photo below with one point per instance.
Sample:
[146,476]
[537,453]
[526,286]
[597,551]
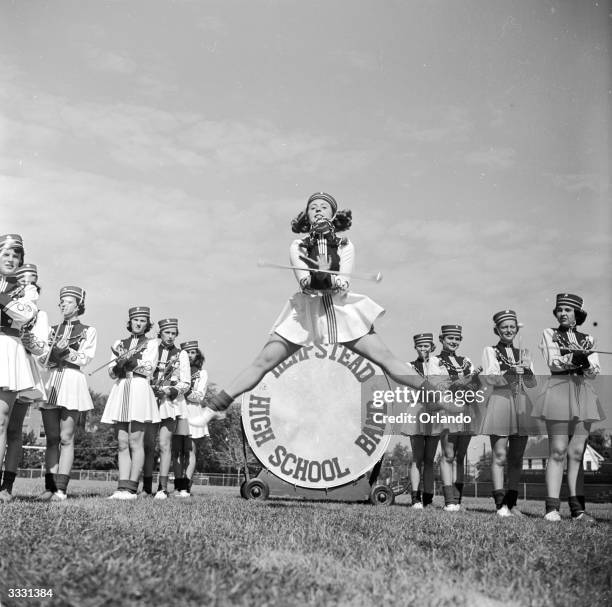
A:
[216,479]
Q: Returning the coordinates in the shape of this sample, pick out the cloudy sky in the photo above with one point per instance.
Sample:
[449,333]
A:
[152,151]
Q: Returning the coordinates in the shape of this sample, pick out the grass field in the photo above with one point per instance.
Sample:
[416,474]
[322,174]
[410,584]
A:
[218,549]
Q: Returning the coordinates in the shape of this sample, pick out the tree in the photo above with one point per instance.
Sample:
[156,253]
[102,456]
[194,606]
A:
[31,458]
[397,462]
[95,444]
[483,467]
[601,442]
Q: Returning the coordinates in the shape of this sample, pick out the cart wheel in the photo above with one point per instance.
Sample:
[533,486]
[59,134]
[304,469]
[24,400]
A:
[242,488]
[256,489]
[382,496]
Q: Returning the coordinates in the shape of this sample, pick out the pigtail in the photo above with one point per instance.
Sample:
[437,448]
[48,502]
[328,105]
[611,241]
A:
[343,220]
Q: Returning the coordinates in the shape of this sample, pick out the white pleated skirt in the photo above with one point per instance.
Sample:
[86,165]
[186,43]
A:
[67,388]
[326,318]
[15,370]
[196,431]
[131,399]
[38,391]
[173,409]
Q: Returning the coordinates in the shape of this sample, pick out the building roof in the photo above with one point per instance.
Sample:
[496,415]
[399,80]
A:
[539,449]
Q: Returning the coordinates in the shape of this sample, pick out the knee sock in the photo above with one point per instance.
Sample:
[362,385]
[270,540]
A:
[575,506]
[498,496]
[131,486]
[582,501]
[450,495]
[7,481]
[50,482]
[459,488]
[147,484]
[427,499]
[61,481]
[416,496]
[220,401]
[511,498]
[552,503]
[163,483]
[178,484]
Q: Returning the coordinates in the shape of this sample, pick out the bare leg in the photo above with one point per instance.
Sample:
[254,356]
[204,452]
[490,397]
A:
[136,444]
[165,446]
[499,446]
[192,459]
[372,347]
[417,443]
[123,455]
[68,423]
[575,453]
[557,445]
[448,458]
[273,353]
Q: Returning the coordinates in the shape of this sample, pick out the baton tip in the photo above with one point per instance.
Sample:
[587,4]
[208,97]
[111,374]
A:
[378,277]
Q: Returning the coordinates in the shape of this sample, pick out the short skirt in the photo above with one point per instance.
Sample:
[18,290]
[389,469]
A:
[173,409]
[510,414]
[15,369]
[131,399]
[326,318]
[67,388]
[568,398]
[196,431]
[38,391]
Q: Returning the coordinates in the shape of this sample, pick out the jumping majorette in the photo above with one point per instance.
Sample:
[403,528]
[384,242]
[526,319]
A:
[324,311]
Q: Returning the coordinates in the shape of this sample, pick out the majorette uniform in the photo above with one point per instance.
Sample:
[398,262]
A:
[172,370]
[38,332]
[131,397]
[509,408]
[455,367]
[568,394]
[195,395]
[425,369]
[324,311]
[17,309]
[66,386]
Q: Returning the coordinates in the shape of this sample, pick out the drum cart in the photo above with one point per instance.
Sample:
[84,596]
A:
[265,484]
[310,423]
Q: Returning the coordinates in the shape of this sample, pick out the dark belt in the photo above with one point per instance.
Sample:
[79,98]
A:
[129,374]
[569,372]
[9,331]
[67,365]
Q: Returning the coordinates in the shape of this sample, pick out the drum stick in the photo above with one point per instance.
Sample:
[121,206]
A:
[372,277]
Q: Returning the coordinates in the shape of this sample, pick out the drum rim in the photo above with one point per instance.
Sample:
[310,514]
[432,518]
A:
[376,456]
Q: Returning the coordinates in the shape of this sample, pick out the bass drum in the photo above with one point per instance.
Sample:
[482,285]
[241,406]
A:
[311,421]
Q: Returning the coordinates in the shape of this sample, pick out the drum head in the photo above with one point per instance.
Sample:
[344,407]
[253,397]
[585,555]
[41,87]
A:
[309,420]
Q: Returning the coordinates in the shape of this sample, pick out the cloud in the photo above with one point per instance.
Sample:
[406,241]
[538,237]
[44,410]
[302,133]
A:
[109,61]
[440,123]
[575,182]
[361,60]
[492,157]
